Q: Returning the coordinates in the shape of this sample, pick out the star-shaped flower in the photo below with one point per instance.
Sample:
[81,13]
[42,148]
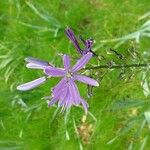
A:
[66,92]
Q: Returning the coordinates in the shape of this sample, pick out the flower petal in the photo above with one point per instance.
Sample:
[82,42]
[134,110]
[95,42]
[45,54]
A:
[74,93]
[86,80]
[59,86]
[63,97]
[89,43]
[68,102]
[56,72]
[82,62]
[66,60]
[71,36]
[35,66]
[54,100]
[57,96]
[85,105]
[36,61]
[32,84]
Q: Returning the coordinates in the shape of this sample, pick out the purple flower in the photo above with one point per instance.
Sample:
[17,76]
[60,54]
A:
[32,84]
[87,43]
[34,63]
[66,92]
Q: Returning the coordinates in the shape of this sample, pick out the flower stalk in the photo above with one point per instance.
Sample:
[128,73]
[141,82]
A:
[117,66]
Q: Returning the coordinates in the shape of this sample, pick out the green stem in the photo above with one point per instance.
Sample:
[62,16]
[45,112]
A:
[117,66]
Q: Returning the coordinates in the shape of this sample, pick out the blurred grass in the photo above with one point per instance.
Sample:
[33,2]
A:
[36,28]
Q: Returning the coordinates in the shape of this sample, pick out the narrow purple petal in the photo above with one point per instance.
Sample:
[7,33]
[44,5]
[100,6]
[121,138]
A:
[57,96]
[56,72]
[82,62]
[85,105]
[35,66]
[74,93]
[36,61]
[59,86]
[63,97]
[71,36]
[66,60]
[89,43]
[86,80]
[70,33]
[32,84]
[54,100]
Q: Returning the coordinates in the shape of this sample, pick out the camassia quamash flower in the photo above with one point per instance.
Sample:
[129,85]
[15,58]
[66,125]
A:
[66,92]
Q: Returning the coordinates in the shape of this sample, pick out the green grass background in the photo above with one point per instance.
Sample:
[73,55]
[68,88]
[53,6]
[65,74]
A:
[36,28]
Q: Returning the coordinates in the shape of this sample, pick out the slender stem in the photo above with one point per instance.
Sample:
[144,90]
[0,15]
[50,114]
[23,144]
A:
[118,66]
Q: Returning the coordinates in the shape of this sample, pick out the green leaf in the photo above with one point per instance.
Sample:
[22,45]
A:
[147,117]
[125,104]
[144,143]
